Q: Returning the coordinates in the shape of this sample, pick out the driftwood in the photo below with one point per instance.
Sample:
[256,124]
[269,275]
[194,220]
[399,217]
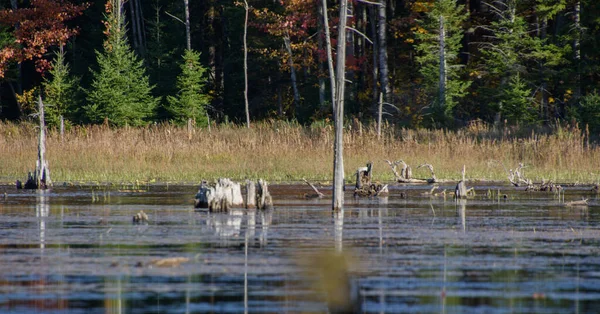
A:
[221,197]
[545,187]
[583,202]
[317,193]
[433,178]
[516,177]
[405,175]
[41,178]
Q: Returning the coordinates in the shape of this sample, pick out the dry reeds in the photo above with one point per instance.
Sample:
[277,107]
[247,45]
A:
[284,151]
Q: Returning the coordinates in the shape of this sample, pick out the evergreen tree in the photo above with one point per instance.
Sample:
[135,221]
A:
[60,91]
[190,102]
[120,91]
[439,42]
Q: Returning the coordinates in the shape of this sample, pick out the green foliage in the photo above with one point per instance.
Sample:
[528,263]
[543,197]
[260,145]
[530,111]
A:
[190,102]
[60,91]
[589,111]
[516,102]
[428,58]
[120,91]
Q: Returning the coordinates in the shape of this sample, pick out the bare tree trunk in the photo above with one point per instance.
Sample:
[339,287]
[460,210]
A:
[134,29]
[376,96]
[142,27]
[19,89]
[321,43]
[42,172]
[577,50]
[188,35]
[442,82]
[246,65]
[329,55]
[288,47]
[338,163]
[383,59]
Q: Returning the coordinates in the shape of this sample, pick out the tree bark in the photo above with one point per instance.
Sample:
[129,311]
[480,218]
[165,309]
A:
[320,43]
[383,58]
[288,47]
[376,95]
[188,35]
[338,163]
[442,82]
[329,54]
[247,107]
[577,50]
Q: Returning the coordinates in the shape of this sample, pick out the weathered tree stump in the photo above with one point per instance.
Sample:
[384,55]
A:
[433,178]
[263,197]
[460,192]
[364,186]
[250,194]
[41,178]
[221,197]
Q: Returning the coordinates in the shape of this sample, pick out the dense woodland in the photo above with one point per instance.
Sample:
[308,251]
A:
[431,63]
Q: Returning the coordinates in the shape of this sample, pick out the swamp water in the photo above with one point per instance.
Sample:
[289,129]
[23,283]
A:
[77,251]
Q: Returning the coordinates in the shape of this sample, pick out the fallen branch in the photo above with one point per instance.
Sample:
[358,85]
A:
[583,202]
[318,193]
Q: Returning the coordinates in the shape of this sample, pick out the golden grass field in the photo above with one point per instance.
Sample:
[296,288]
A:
[287,152]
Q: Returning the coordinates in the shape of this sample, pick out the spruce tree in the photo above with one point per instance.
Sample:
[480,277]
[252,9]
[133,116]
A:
[190,102]
[120,91]
[439,42]
[60,90]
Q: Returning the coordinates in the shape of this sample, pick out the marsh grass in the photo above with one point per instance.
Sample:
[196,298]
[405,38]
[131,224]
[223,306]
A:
[286,151]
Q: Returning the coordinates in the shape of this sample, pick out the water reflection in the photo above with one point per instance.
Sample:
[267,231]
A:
[338,223]
[266,218]
[42,210]
[461,208]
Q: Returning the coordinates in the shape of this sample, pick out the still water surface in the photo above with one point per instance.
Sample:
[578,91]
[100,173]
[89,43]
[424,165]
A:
[76,250]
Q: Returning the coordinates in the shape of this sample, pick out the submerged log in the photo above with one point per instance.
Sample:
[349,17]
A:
[583,202]
[317,194]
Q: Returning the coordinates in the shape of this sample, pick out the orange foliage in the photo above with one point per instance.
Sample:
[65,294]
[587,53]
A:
[37,28]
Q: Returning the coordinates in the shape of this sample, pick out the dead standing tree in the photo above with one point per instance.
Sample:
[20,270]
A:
[41,178]
[364,185]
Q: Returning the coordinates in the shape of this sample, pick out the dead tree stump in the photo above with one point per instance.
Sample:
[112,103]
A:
[263,197]
[221,197]
[364,185]
[250,194]
[461,189]
[41,178]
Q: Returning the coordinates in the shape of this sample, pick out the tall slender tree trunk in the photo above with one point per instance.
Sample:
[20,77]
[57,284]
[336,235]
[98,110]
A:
[321,44]
[247,107]
[338,163]
[288,47]
[329,54]
[383,58]
[442,83]
[133,27]
[376,107]
[577,50]
[19,89]
[188,35]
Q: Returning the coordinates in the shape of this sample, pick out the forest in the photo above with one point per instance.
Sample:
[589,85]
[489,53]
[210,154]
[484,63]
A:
[427,63]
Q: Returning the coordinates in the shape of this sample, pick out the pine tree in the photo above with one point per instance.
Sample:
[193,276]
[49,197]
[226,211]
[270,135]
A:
[190,102]
[120,91]
[60,91]
[439,42]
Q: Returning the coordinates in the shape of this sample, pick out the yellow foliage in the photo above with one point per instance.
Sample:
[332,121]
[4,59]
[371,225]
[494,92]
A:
[27,99]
